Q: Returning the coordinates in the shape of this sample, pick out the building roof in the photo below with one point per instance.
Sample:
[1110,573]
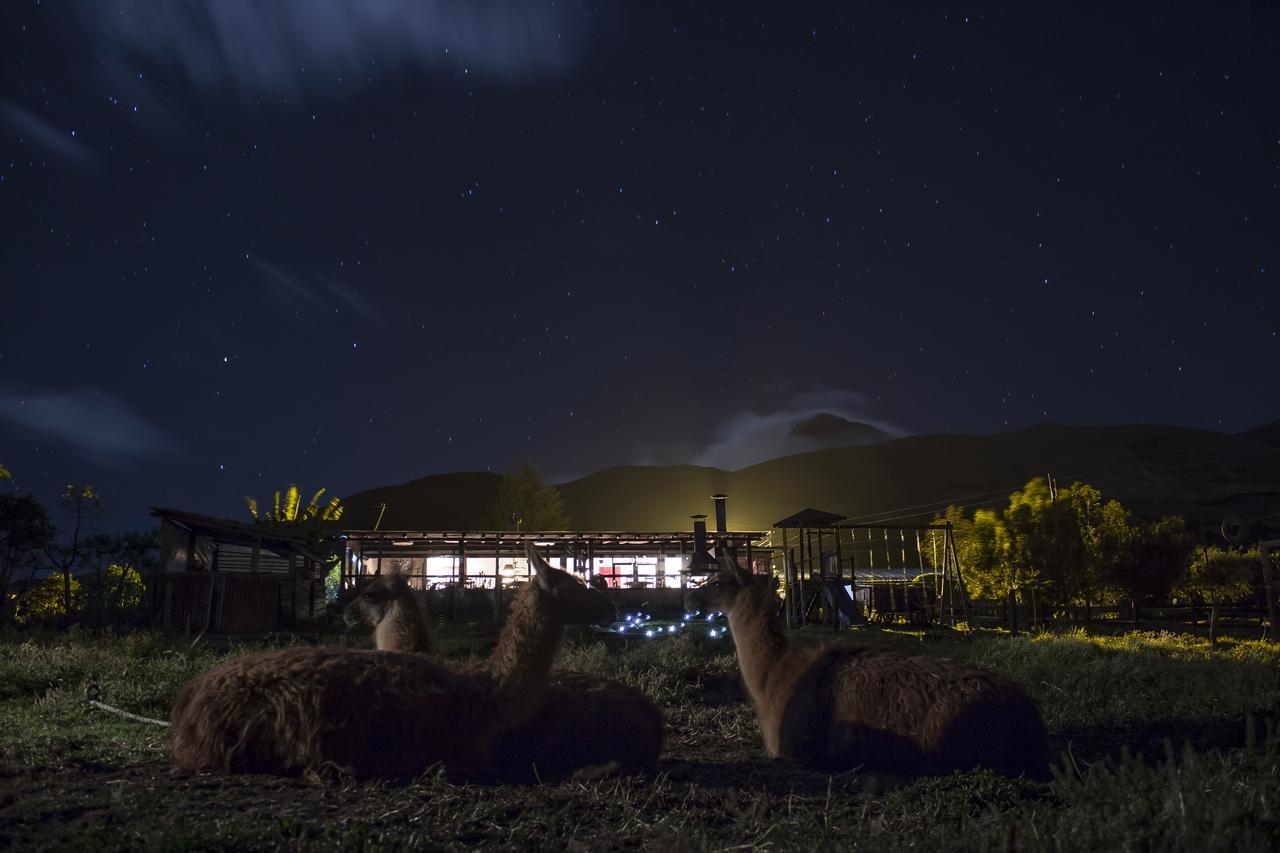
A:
[229,530]
[601,542]
[810,517]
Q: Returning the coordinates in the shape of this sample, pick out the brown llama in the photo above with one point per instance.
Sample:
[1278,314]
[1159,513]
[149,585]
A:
[583,721]
[377,714]
[835,707]
[387,605]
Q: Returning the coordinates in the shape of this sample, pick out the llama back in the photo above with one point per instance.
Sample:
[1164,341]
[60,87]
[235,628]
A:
[372,714]
[910,714]
[583,721]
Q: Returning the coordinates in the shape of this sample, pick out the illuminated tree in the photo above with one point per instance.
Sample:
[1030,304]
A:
[113,594]
[1220,574]
[317,519]
[525,502]
[54,596]
[287,511]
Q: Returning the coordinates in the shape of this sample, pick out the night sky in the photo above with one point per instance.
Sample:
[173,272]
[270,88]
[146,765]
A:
[350,244]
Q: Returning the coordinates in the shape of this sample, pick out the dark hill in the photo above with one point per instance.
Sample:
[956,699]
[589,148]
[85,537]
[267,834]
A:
[456,501]
[1153,470]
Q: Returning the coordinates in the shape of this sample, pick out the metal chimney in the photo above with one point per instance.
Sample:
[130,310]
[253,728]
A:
[701,561]
[722,524]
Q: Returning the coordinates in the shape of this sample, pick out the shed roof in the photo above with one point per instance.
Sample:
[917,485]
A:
[238,532]
[810,517]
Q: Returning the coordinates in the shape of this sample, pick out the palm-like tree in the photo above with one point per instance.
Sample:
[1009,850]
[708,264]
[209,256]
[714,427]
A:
[287,510]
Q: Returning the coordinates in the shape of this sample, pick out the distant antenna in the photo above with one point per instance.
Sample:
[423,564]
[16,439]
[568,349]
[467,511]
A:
[381,509]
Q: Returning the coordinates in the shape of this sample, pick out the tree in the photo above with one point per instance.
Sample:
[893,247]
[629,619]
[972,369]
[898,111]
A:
[82,504]
[525,502]
[316,520]
[53,596]
[1040,551]
[1160,551]
[287,511]
[25,531]
[113,595]
[1221,574]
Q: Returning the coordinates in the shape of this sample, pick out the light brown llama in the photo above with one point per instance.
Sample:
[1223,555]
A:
[375,713]
[390,608]
[836,707]
[583,720]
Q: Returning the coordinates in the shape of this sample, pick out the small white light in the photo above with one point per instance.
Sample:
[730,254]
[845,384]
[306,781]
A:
[671,629]
[649,633]
[710,617]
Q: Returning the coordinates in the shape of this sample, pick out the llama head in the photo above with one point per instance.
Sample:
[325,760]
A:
[373,602]
[572,601]
[721,590]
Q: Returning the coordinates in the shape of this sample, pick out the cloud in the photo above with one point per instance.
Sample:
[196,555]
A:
[285,47]
[324,295]
[747,437]
[57,142]
[101,427]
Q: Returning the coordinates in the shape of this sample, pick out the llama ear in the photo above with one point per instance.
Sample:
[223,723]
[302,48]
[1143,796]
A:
[378,571]
[729,562]
[540,566]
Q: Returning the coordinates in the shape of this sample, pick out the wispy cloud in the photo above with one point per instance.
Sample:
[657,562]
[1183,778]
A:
[285,47]
[322,294]
[37,131]
[101,427]
[745,438]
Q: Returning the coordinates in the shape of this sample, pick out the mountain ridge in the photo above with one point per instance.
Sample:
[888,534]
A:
[1152,469]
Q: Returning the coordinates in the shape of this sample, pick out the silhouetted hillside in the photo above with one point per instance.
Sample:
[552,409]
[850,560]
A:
[438,502]
[1153,470]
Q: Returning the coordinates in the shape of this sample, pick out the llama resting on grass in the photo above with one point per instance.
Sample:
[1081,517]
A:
[583,720]
[389,607]
[375,713]
[837,708]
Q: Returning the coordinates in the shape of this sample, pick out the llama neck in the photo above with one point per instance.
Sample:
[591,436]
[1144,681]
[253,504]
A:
[756,636]
[403,629]
[520,664]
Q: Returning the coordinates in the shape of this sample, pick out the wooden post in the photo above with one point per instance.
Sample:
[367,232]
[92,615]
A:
[462,561]
[162,567]
[787,592]
[799,570]
[959,578]
[1213,615]
[209,623]
[1268,589]
[497,581]
[293,585]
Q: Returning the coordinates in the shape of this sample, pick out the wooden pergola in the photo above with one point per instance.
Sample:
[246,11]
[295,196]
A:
[366,552]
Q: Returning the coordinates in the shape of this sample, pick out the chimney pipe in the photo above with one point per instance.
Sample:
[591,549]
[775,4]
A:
[699,533]
[721,517]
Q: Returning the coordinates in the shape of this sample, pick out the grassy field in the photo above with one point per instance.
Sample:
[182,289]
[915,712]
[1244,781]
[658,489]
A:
[1167,744]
